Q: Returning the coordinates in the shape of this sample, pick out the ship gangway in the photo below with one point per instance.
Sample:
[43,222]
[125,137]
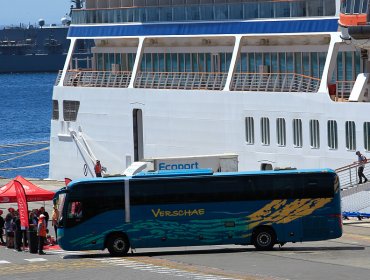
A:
[355,196]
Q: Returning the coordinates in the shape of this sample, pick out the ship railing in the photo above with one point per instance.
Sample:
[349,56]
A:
[178,12]
[348,175]
[114,79]
[274,82]
[181,80]
[57,81]
[343,90]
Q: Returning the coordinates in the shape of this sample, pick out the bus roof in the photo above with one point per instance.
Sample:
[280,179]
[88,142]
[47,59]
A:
[194,172]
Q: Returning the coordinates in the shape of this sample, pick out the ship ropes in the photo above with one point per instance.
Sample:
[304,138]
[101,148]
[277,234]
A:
[26,155]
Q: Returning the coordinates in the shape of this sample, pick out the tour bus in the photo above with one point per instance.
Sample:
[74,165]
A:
[199,207]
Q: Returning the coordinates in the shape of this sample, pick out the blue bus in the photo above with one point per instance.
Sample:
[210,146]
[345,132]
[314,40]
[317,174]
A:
[198,207]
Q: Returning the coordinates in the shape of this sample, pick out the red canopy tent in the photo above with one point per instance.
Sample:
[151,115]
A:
[33,192]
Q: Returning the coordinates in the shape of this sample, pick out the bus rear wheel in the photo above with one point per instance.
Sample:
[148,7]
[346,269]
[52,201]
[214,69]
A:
[264,239]
[118,245]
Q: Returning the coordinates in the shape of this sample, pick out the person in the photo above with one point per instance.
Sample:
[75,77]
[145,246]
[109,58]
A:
[54,220]
[361,162]
[9,230]
[2,223]
[32,220]
[17,232]
[46,214]
[98,168]
[41,233]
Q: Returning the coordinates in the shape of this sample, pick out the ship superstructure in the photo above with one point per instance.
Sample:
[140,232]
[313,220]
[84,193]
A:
[271,81]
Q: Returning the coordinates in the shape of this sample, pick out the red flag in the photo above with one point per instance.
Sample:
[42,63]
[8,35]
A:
[67,181]
[22,204]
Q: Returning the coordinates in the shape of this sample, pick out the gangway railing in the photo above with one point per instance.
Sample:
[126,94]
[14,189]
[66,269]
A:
[355,196]
[348,175]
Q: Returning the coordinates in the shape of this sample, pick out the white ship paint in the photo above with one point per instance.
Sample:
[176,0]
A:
[181,122]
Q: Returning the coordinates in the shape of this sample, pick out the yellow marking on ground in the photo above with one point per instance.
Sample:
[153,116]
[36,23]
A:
[12,269]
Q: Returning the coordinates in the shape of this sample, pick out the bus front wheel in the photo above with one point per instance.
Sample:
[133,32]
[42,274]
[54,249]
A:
[118,245]
[264,238]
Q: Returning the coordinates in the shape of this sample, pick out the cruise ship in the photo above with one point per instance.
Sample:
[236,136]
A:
[278,83]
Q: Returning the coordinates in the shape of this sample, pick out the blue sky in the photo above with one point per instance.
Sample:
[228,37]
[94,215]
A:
[13,12]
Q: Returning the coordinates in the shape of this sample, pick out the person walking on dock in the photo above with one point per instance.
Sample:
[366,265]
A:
[361,161]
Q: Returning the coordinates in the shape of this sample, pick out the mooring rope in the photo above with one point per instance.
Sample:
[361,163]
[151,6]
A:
[26,154]
[23,167]
[24,144]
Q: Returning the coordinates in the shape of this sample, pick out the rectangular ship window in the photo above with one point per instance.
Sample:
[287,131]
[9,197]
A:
[367,136]
[351,135]
[281,132]
[265,131]
[70,110]
[297,133]
[249,130]
[55,115]
[332,135]
[314,134]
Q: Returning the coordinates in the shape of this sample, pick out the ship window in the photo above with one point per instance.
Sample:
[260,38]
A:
[297,133]
[351,135]
[314,134]
[332,135]
[70,110]
[265,131]
[281,132]
[55,110]
[249,130]
[367,136]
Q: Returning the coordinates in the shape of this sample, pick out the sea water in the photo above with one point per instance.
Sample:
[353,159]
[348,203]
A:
[25,113]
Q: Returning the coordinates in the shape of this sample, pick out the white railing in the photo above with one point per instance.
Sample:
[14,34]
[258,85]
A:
[343,90]
[181,80]
[348,175]
[58,77]
[274,82]
[115,79]
[267,82]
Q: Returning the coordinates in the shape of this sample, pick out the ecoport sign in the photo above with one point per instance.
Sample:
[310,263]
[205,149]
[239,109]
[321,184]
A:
[223,162]
[175,166]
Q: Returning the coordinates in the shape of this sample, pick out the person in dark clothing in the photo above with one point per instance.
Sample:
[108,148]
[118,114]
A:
[2,223]
[17,232]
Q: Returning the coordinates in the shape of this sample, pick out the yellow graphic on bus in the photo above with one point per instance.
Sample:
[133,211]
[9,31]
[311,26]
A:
[282,212]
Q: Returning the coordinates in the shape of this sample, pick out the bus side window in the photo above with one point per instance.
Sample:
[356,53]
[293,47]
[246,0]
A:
[75,210]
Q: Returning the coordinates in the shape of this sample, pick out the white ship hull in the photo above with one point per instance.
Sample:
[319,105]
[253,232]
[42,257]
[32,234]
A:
[183,123]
